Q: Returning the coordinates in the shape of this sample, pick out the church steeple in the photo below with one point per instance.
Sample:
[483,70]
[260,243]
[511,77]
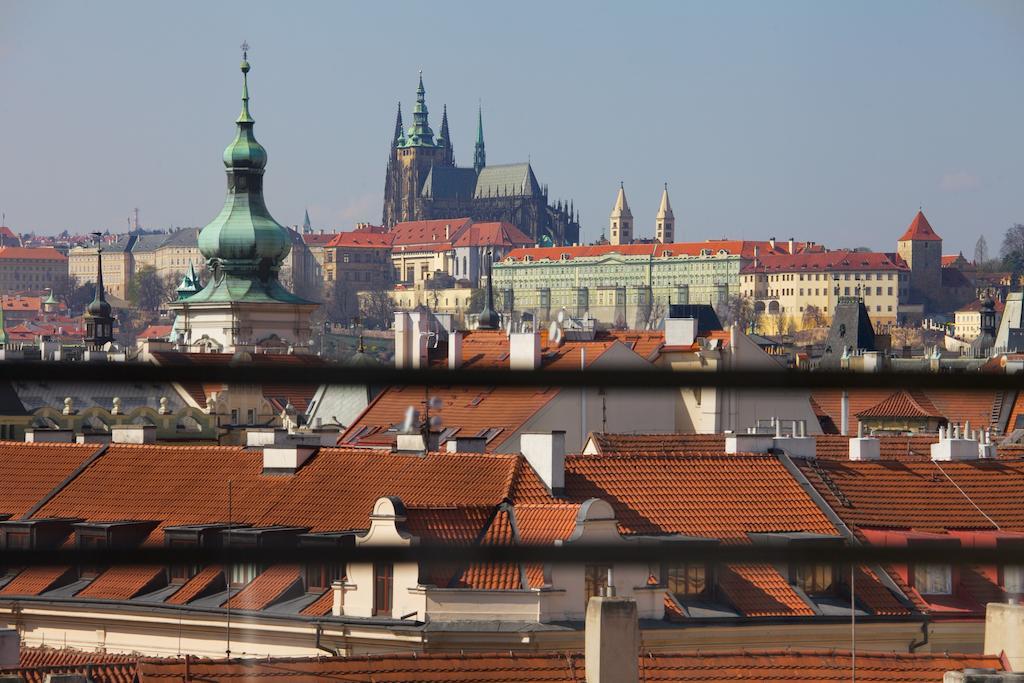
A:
[445,139]
[479,155]
[665,221]
[399,128]
[419,133]
[621,220]
[99,319]
[488,319]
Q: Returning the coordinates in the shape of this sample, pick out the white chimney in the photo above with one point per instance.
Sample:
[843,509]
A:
[454,350]
[844,417]
[680,331]
[771,242]
[524,351]
[611,641]
[955,447]
[792,246]
[545,452]
[749,443]
[38,435]
[410,340]
[133,434]
[289,452]
[864,448]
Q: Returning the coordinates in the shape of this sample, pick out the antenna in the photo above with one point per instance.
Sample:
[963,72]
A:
[227,562]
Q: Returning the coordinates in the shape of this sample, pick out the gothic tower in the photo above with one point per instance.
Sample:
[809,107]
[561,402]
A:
[479,155]
[413,153]
[665,221]
[621,221]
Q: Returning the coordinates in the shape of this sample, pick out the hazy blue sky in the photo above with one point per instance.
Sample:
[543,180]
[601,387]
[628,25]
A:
[821,120]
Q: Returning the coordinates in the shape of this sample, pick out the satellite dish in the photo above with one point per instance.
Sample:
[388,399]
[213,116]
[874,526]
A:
[561,316]
[552,330]
[435,403]
[435,421]
[558,336]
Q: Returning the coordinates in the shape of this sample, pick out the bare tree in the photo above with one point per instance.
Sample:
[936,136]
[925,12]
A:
[146,289]
[376,308]
[1012,251]
[981,251]
[738,309]
[813,316]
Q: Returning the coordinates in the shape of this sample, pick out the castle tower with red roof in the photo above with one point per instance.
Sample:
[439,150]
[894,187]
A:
[921,247]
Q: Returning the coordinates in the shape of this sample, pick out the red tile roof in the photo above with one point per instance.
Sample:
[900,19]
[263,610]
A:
[31,470]
[744,248]
[361,239]
[920,229]
[918,494]
[209,580]
[269,587]
[12,302]
[36,580]
[492,234]
[975,305]
[37,663]
[758,590]
[432,232]
[124,582]
[155,332]
[840,260]
[320,607]
[903,403]
[32,253]
[766,666]
[956,406]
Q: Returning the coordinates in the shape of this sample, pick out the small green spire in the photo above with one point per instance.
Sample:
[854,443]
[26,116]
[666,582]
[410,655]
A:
[245,117]
[479,155]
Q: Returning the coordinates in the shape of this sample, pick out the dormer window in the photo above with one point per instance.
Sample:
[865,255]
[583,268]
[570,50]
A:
[244,572]
[1013,579]
[687,579]
[933,579]
[814,579]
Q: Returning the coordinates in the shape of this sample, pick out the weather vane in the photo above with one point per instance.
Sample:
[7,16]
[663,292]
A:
[245,49]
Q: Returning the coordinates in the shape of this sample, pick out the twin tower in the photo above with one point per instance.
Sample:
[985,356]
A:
[620,226]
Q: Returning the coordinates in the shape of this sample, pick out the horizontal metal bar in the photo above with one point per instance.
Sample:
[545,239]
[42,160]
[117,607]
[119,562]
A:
[633,551]
[632,378]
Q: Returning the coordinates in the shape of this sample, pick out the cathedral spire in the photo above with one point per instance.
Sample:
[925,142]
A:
[488,319]
[419,134]
[399,128]
[445,138]
[479,155]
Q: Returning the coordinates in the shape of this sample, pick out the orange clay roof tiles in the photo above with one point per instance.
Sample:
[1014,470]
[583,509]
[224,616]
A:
[31,470]
[902,403]
[920,229]
[543,524]
[757,590]
[334,491]
[36,580]
[270,586]
[492,575]
[124,582]
[918,495]
[209,579]
[718,496]
[320,607]
[955,406]
[638,444]
[765,666]
[37,663]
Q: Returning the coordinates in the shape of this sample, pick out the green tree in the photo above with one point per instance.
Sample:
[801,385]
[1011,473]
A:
[1012,250]
[147,290]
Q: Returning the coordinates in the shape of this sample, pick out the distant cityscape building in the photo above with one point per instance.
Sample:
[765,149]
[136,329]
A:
[423,183]
[31,269]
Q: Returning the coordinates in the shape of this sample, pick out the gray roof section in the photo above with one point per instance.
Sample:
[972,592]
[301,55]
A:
[446,182]
[509,179]
[1013,318]
[185,237]
[338,404]
[35,395]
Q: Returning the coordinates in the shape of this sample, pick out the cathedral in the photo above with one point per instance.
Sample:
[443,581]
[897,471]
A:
[424,183]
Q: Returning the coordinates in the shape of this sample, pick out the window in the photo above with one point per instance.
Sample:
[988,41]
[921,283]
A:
[243,572]
[814,579]
[88,542]
[18,540]
[250,416]
[180,573]
[933,579]
[320,576]
[686,579]
[1013,578]
[595,580]
[383,587]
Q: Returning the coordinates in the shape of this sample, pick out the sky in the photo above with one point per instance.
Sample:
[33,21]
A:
[821,120]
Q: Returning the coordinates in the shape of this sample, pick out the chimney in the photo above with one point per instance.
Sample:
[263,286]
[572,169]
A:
[289,452]
[466,444]
[864,448]
[1004,633]
[447,231]
[524,351]
[133,434]
[454,350]
[792,246]
[38,435]
[680,331]
[844,414]
[545,452]
[797,444]
[771,242]
[954,446]
[410,340]
[611,641]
